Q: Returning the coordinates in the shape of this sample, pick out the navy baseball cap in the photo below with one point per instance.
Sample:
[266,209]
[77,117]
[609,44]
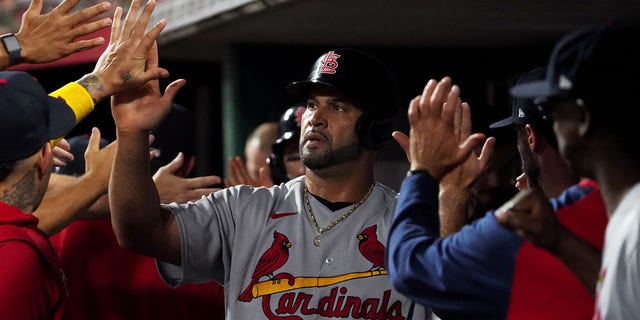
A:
[29,117]
[524,110]
[587,63]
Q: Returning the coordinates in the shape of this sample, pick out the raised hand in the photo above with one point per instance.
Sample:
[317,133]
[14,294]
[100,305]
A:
[99,162]
[435,143]
[53,35]
[124,64]
[467,173]
[173,187]
[61,153]
[144,108]
[238,175]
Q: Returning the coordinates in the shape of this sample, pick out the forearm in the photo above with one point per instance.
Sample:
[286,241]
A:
[66,199]
[453,209]
[581,257]
[136,214]
[438,271]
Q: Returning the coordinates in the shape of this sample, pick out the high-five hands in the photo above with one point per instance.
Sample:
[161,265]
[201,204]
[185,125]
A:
[440,138]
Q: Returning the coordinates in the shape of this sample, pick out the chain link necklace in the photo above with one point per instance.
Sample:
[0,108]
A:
[319,230]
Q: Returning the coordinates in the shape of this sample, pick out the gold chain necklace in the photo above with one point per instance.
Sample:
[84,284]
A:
[319,230]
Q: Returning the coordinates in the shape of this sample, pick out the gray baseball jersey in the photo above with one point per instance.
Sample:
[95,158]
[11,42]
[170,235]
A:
[259,243]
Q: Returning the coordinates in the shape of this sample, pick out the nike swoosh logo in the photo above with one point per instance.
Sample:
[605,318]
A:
[275,215]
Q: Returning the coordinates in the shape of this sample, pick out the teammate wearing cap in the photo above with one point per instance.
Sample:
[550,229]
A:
[31,284]
[489,272]
[309,248]
[588,92]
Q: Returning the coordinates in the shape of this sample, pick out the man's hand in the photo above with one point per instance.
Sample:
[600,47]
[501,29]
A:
[173,187]
[435,140]
[238,175]
[99,162]
[530,214]
[124,64]
[61,153]
[51,36]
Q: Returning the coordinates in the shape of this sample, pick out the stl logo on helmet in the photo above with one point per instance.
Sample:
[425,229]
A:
[330,63]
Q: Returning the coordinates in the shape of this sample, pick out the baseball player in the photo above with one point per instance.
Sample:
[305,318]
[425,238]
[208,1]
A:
[491,272]
[312,248]
[284,161]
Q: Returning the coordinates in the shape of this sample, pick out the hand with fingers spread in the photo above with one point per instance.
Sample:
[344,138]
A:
[144,108]
[456,195]
[238,175]
[172,187]
[455,186]
[54,35]
[123,65]
[436,142]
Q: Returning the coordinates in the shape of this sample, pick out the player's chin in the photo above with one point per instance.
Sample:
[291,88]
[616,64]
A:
[314,144]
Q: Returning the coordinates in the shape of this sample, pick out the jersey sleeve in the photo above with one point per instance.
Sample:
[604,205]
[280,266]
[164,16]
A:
[208,231]
[468,273]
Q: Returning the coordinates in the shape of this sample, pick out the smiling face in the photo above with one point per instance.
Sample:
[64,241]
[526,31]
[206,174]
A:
[328,136]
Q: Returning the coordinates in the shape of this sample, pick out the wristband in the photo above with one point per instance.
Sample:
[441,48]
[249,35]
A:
[11,44]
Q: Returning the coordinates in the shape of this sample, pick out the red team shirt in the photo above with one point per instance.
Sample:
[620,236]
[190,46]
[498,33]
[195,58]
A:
[108,282]
[31,285]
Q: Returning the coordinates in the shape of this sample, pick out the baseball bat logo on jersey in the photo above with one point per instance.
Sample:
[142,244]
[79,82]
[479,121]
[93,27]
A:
[338,303]
[270,261]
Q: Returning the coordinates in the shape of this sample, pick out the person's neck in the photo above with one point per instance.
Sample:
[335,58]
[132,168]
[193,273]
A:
[615,179]
[339,188]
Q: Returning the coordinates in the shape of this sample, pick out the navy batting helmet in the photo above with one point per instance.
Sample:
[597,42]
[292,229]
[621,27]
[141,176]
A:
[288,130]
[364,79]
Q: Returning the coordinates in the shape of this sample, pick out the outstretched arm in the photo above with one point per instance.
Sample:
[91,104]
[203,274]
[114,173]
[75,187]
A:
[53,35]
[122,66]
[69,197]
[139,221]
[455,187]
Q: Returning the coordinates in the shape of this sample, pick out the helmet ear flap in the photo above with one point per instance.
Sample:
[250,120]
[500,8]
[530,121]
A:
[373,133]
[277,168]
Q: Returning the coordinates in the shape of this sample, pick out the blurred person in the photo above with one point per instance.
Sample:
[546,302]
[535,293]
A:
[258,147]
[491,273]
[315,239]
[253,170]
[284,161]
[589,87]
[32,284]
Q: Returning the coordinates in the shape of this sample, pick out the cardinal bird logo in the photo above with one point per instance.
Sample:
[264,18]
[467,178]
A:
[371,248]
[272,259]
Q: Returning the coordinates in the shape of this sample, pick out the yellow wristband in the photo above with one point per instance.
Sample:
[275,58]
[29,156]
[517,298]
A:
[77,98]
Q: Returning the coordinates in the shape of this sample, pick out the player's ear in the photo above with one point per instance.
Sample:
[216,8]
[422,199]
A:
[585,118]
